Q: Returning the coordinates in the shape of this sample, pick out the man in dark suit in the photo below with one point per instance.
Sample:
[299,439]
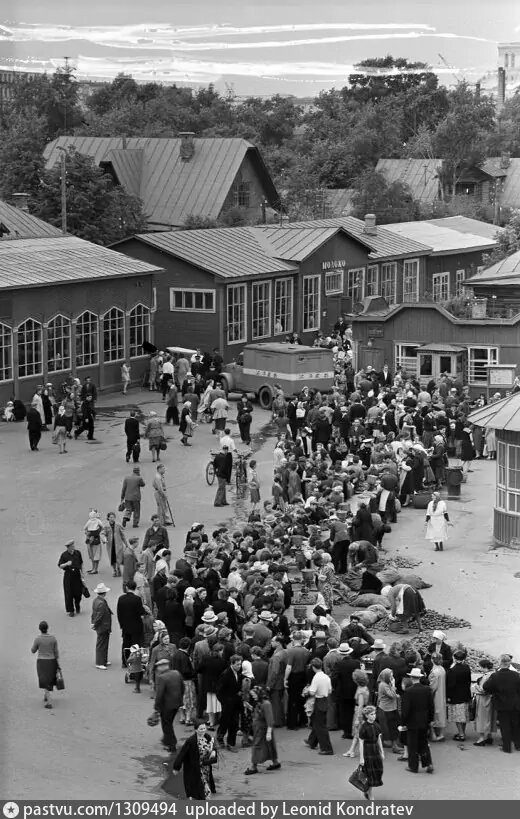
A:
[156,536]
[169,693]
[229,686]
[344,688]
[504,684]
[34,427]
[416,714]
[385,377]
[130,611]
[133,434]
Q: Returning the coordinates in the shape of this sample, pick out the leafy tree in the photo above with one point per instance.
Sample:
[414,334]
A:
[379,81]
[390,202]
[21,154]
[196,222]
[97,209]
[508,239]
[53,98]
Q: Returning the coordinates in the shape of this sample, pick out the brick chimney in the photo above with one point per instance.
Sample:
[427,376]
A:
[370,224]
[187,145]
[21,201]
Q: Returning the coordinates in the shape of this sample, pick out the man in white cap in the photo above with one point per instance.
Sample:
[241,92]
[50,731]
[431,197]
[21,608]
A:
[417,713]
[101,622]
[262,634]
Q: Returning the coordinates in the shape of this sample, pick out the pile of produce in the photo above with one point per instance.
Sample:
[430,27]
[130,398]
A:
[430,620]
[402,562]
[422,641]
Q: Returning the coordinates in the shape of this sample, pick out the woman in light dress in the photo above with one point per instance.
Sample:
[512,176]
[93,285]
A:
[485,714]
[437,521]
[161,498]
[125,376]
[437,680]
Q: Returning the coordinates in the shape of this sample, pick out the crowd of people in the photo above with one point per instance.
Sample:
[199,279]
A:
[221,635]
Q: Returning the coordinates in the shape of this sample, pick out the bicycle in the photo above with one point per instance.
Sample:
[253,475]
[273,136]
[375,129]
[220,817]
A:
[210,471]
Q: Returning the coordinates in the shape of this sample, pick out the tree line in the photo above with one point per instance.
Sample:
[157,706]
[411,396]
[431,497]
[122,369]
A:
[335,143]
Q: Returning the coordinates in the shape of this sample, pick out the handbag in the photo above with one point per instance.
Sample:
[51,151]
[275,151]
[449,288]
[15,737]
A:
[209,758]
[60,682]
[153,719]
[359,779]
[84,590]
[163,445]
[472,710]
[122,506]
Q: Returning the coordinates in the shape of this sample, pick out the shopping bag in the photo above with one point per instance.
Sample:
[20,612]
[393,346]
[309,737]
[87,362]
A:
[85,591]
[60,682]
[359,779]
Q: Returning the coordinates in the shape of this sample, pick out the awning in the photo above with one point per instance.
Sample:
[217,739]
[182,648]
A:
[501,415]
[441,348]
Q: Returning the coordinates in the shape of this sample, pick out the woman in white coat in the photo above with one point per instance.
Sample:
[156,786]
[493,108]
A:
[437,680]
[437,521]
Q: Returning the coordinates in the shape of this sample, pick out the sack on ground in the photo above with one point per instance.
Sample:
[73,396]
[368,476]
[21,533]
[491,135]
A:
[353,579]
[415,581]
[366,600]
[389,576]
[367,618]
[379,610]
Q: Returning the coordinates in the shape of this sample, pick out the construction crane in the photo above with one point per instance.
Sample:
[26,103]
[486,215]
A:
[457,73]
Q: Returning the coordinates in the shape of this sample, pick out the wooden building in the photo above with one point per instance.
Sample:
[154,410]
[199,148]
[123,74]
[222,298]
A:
[498,287]
[68,306]
[504,417]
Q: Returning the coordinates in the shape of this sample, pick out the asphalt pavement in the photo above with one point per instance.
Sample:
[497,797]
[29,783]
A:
[95,743]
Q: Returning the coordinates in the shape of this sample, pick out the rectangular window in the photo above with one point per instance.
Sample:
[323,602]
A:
[388,278]
[6,353]
[460,275]
[406,357]
[441,286]
[311,303]
[283,306]
[191,300]
[479,358]
[236,314]
[261,310]
[334,282]
[355,281]
[411,280]
[241,195]
[372,285]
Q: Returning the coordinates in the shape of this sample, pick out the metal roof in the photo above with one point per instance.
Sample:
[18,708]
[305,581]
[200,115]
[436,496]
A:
[501,415]
[508,268]
[382,245]
[420,175]
[463,224]
[295,243]
[442,239]
[492,166]
[21,225]
[171,188]
[230,253]
[67,259]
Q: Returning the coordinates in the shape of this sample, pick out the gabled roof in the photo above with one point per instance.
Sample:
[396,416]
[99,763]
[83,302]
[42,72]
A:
[171,189]
[382,245]
[501,415]
[295,243]
[493,166]
[18,224]
[421,176]
[63,260]
[442,239]
[230,253]
[463,224]
[507,271]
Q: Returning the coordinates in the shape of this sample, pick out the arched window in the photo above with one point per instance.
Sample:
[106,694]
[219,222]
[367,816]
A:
[6,353]
[58,344]
[114,335]
[86,339]
[139,329]
[29,341]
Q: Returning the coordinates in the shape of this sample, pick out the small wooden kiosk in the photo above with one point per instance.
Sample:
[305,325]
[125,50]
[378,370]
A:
[504,417]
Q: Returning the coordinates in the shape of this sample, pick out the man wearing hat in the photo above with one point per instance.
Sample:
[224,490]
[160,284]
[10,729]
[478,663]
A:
[131,496]
[186,565]
[345,688]
[130,612]
[71,563]
[169,694]
[262,634]
[101,622]
[417,713]
[156,536]
[223,463]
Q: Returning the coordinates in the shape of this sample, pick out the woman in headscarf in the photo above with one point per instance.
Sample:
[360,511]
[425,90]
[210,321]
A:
[189,611]
[155,434]
[437,520]
[406,604]
[264,746]
[60,430]
[437,681]
[485,714]
[387,712]
[186,425]
[325,577]
[161,498]
[438,646]
[93,530]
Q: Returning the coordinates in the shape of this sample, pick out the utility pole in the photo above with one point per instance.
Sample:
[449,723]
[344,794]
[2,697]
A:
[63,192]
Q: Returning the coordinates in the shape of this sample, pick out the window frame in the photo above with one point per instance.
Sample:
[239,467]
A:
[94,357]
[400,359]
[266,319]
[393,280]
[460,290]
[119,347]
[62,338]
[316,294]
[408,277]
[35,345]
[197,290]
[471,364]
[352,275]
[370,269]
[508,490]
[438,282]
[232,288]
[142,328]
[289,298]
[338,288]
[6,353]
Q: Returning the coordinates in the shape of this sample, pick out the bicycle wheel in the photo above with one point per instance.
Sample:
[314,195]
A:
[210,473]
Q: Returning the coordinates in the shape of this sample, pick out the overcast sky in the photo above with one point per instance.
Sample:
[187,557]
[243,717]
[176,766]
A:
[292,46]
